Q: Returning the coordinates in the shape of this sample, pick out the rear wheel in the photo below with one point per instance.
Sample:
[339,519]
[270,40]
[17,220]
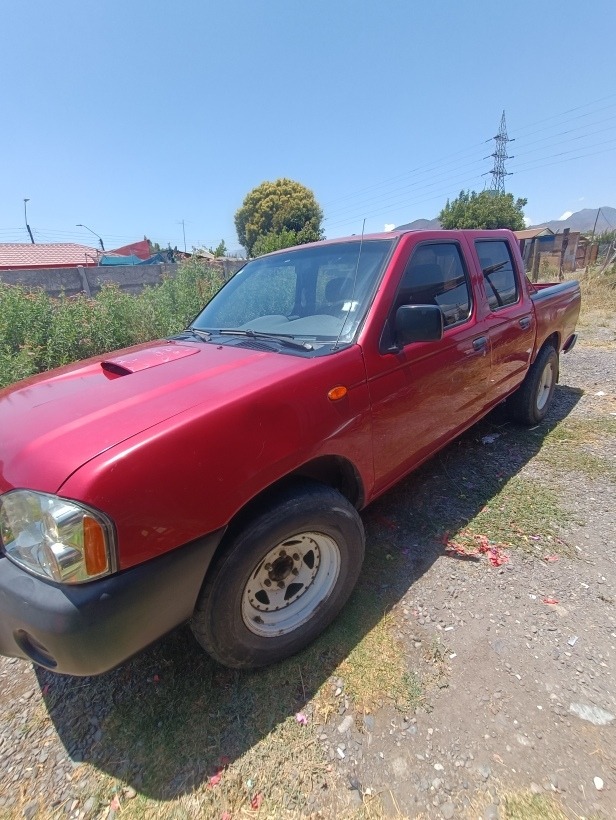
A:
[530,403]
[282,579]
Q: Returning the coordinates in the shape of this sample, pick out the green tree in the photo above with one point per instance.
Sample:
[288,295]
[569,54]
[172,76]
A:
[219,250]
[275,241]
[277,207]
[487,210]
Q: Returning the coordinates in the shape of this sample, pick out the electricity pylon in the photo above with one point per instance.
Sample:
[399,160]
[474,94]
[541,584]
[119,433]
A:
[500,155]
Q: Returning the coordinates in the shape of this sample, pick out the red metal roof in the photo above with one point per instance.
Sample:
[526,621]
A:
[60,254]
[140,249]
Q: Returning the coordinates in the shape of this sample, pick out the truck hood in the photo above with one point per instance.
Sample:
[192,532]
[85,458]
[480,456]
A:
[52,424]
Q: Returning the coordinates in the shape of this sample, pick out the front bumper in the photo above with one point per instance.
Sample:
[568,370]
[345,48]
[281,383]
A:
[88,629]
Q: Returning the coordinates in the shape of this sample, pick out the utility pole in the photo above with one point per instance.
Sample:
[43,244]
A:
[500,155]
[26,220]
[592,239]
[184,235]
[594,227]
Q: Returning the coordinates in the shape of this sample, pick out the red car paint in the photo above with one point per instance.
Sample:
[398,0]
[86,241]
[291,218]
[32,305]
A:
[178,445]
[171,440]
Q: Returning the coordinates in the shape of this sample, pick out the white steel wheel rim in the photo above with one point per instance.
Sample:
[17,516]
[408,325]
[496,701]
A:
[290,583]
[545,386]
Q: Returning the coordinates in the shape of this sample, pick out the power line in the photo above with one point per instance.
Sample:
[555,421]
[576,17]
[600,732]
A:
[393,199]
[569,111]
[571,151]
[451,190]
[422,170]
[426,167]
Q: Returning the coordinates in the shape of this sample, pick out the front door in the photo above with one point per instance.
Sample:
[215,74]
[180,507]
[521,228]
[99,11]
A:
[426,392]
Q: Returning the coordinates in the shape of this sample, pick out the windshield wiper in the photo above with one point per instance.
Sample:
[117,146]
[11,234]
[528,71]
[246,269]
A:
[284,338]
[204,335]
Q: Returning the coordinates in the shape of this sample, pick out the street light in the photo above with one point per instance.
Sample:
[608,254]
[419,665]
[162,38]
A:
[79,225]
[26,220]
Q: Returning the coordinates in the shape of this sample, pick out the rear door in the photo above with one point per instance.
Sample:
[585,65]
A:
[424,393]
[511,318]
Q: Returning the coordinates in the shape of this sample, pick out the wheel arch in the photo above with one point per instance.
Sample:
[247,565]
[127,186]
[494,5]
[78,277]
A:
[309,492]
[553,340]
[332,471]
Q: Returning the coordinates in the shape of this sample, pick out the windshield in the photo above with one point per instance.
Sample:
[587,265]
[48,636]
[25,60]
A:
[319,293]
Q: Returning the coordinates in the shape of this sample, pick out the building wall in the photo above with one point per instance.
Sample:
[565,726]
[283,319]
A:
[129,278]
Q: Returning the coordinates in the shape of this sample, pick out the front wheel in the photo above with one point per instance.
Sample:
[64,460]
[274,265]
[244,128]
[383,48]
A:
[530,403]
[282,579]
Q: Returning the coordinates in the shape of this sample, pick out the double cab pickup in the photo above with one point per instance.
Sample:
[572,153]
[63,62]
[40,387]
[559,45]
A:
[218,476]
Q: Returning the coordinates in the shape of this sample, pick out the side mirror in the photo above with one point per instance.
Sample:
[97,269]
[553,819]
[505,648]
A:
[418,323]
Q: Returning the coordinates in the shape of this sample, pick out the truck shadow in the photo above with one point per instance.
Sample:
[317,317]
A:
[167,720]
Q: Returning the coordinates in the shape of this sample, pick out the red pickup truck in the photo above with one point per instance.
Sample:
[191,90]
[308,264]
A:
[217,476]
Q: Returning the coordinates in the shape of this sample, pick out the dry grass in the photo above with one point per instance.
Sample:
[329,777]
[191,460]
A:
[284,767]
[193,739]
[598,309]
[598,303]
[576,445]
[527,806]
[201,740]
[519,805]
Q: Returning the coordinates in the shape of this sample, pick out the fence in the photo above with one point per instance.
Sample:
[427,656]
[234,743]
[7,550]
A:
[130,278]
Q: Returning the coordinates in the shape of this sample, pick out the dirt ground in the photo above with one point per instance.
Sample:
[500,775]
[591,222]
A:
[527,699]
[514,657]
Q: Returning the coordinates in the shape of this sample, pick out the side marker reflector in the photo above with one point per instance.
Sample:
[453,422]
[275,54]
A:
[337,393]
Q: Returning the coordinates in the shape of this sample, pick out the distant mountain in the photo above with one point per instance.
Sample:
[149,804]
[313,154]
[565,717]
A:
[421,225]
[584,221]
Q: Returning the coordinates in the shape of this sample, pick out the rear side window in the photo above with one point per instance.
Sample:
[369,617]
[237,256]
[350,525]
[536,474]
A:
[498,273]
[435,275]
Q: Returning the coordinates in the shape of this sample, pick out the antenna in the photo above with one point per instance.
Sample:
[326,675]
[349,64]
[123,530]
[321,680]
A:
[361,244]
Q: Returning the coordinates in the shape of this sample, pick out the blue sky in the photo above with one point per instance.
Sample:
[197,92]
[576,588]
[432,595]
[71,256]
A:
[131,116]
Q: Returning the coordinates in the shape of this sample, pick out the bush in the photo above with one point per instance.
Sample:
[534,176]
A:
[38,332]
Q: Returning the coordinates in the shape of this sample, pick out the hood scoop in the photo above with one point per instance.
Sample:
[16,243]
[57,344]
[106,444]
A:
[145,359]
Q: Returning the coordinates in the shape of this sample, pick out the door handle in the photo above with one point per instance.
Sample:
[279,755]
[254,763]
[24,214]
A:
[480,342]
[524,322]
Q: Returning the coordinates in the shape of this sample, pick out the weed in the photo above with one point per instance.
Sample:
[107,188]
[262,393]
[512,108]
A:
[525,513]
[570,446]
[39,333]
[598,300]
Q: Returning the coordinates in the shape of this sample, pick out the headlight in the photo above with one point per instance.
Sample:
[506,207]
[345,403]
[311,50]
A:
[54,538]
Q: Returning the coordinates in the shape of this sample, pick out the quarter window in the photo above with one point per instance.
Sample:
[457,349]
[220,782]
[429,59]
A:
[498,273]
[435,275]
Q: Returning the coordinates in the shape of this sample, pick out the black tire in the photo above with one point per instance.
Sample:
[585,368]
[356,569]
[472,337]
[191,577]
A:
[236,618]
[530,403]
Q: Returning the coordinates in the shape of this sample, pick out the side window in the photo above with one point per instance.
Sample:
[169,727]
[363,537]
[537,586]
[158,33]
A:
[435,275]
[498,273]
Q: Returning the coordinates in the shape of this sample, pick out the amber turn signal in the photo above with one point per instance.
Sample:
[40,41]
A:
[337,393]
[94,547]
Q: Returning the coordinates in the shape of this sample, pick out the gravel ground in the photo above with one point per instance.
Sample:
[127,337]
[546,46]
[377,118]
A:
[519,691]
[528,701]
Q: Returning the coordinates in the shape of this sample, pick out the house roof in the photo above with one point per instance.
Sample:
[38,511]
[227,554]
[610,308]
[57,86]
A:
[140,249]
[24,255]
[531,233]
